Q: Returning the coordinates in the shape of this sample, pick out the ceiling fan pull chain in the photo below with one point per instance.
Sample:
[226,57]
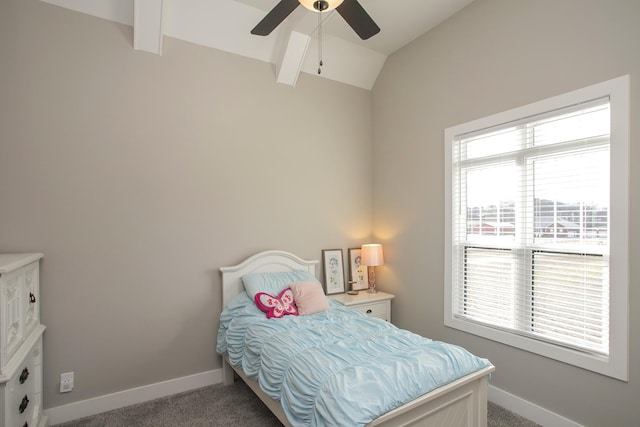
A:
[320,41]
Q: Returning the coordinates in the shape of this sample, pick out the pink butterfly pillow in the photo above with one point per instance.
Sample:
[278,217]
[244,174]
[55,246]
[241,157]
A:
[278,306]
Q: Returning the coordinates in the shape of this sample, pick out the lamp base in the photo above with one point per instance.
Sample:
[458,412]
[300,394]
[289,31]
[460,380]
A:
[372,280]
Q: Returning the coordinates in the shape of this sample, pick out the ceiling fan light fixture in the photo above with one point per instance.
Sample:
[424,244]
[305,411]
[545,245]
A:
[320,5]
[350,10]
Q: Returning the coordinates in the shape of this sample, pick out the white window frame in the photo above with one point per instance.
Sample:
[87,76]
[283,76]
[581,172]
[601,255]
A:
[616,363]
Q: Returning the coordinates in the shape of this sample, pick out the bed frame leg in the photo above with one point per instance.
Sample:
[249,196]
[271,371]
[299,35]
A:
[481,401]
[227,372]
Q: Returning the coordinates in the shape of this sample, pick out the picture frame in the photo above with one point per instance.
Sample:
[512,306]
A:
[333,270]
[357,272]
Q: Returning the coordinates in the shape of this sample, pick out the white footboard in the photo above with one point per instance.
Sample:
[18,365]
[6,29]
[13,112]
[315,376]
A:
[462,403]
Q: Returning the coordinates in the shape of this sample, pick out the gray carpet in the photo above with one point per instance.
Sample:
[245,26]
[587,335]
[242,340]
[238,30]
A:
[230,406]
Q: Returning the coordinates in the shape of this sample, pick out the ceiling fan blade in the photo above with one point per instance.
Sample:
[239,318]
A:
[275,17]
[358,19]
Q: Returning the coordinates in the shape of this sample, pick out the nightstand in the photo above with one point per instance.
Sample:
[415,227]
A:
[374,305]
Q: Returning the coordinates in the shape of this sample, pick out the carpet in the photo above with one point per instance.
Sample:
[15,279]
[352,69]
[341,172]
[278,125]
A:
[230,406]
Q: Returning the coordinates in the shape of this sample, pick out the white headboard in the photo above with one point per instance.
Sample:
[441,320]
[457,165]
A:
[268,261]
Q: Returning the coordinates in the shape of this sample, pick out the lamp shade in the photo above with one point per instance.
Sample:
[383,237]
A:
[332,4]
[372,255]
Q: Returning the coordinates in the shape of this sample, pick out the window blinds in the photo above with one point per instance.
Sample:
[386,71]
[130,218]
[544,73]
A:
[530,224]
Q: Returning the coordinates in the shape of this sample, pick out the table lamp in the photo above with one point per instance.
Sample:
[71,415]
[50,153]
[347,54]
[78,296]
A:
[371,257]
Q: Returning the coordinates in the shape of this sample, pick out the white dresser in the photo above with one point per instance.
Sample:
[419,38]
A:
[20,341]
[373,305]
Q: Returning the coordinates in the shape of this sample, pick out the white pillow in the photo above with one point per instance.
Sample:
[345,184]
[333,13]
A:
[273,282]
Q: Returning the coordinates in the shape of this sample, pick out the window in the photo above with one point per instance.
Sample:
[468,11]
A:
[536,211]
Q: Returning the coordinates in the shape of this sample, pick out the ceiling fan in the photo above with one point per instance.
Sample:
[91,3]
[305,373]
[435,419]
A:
[350,10]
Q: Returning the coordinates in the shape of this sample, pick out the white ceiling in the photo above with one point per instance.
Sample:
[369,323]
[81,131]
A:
[226,25]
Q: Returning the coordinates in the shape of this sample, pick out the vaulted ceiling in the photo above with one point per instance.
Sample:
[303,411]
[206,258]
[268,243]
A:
[293,46]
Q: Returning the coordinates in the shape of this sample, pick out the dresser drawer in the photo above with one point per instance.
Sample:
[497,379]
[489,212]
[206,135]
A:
[19,307]
[373,305]
[31,302]
[380,309]
[23,392]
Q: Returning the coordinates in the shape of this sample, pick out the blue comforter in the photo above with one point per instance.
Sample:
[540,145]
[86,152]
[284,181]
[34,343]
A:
[338,367]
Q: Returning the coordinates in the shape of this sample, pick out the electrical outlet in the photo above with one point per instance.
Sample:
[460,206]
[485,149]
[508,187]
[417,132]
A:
[66,382]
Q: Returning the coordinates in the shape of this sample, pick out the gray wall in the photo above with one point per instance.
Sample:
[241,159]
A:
[138,176]
[493,56]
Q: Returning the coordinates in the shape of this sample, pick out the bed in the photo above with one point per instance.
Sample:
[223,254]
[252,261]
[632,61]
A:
[459,399]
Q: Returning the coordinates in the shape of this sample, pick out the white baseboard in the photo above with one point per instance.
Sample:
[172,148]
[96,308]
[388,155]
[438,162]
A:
[108,402]
[529,410]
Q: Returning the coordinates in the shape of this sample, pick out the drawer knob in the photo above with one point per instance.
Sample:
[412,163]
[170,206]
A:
[24,375]
[32,298]
[369,311]
[24,404]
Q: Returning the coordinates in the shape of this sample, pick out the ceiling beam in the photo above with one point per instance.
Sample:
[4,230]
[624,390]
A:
[147,25]
[288,69]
